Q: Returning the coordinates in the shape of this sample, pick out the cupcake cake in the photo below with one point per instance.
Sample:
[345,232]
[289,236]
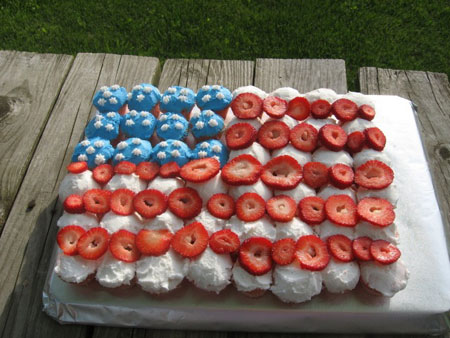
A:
[140,124]
[104,126]
[172,126]
[94,151]
[134,150]
[216,98]
[109,99]
[144,97]
[211,148]
[179,100]
[171,151]
[206,124]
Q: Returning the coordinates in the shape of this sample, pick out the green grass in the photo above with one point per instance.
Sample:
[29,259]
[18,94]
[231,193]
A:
[390,34]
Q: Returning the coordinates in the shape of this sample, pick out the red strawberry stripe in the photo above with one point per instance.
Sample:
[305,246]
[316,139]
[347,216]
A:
[77,167]
[341,175]
[153,242]
[283,251]
[255,255]
[275,107]
[200,170]
[376,211]
[103,173]
[315,174]
[150,203]
[375,138]
[340,247]
[273,135]
[122,246]
[93,244]
[299,108]
[384,252]
[366,112]
[147,170]
[282,172]
[345,110]
[221,206]
[185,203]
[97,201]
[304,137]
[241,170]
[341,210]
[311,252]
[224,241]
[374,174]
[68,237]
[333,137]
[73,204]
[250,207]
[191,240]
[122,202]
[281,208]
[312,210]
[356,141]
[169,170]
[240,136]
[320,109]
[361,248]
[125,168]
[247,106]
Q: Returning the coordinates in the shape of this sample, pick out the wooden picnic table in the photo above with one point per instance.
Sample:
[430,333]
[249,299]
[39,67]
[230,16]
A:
[45,103]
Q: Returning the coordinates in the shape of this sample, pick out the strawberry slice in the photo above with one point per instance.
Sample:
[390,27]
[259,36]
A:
[340,247]
[361,248]
[374,174]
[153,242]
[376,211]
[283,251]
[77,167]
[170,170]
[185,203]
[299,108]
[103,173]
[191,240]
[275,107]
[333,137]
[93,243]
[356,141]
[341,175]
[375,138]
[341,210]
[122,202]
[273,135]
[221,206]
[311,252]
[73,204]
[320,109]
[250,207]
[242,170]
[125,168]
[366,112]
[147,170]
[200,170]
[344,110]
[240,136]
[224,241]
[97,201]
[68,237]
[384,252]
[247,106]
[122,246]
[312,210]
[150,203]
[282,172]
[304,137]
[255,255]
[281,208]
[315,174]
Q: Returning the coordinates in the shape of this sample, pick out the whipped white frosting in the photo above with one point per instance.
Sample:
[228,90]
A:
[330,190]
[294,229]
[327,229]
[286,93]
[290,122]
[166,185]
[390,193]
[86,220]
[330,158]
[166,221]
[256,150]
[388,233]
[112,223]
[260,228]
[159,274]
[322,94]
[357,125]
[339,277]
[358,98]
[298,193]
[112,273]
[246,282]
[74,269]
[259,187]
[232,119]
[250,89]
[292,284]
[210,271]
[300,156]
[370,154]
[214,185]
[386,279]
[77,184]
[210,222]
[319,123]
[121,181]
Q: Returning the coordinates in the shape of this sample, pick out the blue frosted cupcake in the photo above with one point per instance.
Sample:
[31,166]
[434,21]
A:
[216,98]
[132,150]
[138,124]
[178,99]
[94,151]
[172,126]
[171,151]
[144,97]
[109,99]
[211,148]
[206,124]
[103,126]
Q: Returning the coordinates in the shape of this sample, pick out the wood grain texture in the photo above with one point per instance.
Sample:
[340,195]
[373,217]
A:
[431,93]
[35,211]
[302,74]
[29,86]
[194,73]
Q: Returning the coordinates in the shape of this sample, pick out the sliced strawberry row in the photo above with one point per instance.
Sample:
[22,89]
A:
[372,137]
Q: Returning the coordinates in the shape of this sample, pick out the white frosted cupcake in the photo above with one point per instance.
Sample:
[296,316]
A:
[166,221]
[298,193]
[330,190]
[75,269]
[113,273]
[330,158]
[327,229]
[294,229]
[212,224]
[300,156]
[166,185]
[389,233]
[122,181]
[77,184]
[112,223]
[256,150]
[250,285]
[214,185]
[85,220]
[259,188]
[260,228]
[339,277]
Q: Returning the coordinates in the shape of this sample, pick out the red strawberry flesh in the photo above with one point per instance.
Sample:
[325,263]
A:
[355,141]
[376,211]
[240,136]
[250,207]
[200,170]
[191,240]
[315,174]
[221,206]
[247,106]
[361,248]
[375,138]
[281,208]
[153,242]
[122,202]
[97,201]
[224,241]
[341,210]
[169,170]
[283,251]
[311,252]
[73,204]
[77,167]
[341,175]
[366,112]
[150,203]
[299,108]
[185,203]
[345,110]
[103,173]
[122,246]
[125,168]
[242,170]
[282,172]
[333,137]
[275,107]
[304,137]
[93,243]
[320,109]
[374,174]
[255,255]
[273,135]
[384,252]
[68,237]
[147,170]
[312,210]
[340,247]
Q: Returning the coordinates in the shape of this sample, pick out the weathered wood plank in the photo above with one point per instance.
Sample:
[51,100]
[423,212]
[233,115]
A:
[231,73]
[26,257]
[29,86]
[431,93]
[302,74]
